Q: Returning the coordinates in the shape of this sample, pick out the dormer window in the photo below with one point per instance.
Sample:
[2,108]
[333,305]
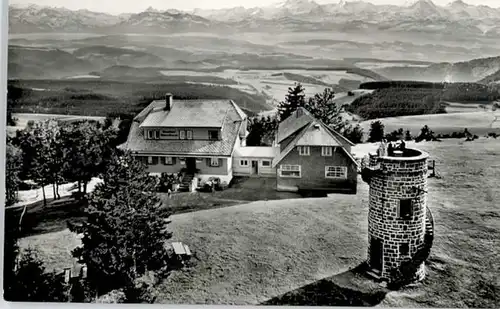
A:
[213,135]
[153,134]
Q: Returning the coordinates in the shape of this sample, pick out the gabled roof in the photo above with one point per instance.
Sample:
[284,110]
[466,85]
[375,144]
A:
[299,119]
[189,113]
[231,124]
[315,133]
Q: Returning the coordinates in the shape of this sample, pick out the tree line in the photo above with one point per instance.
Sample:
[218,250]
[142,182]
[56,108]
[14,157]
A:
[377,133]
[52,153]
[405,98]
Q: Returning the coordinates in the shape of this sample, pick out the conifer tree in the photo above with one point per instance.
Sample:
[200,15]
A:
[24,275]
[126,227]
[12,171]
[323,108]
[293,100]
[376,131]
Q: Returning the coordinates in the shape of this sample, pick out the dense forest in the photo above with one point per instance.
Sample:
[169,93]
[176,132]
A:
[404,98]
[392,102]
[97,98]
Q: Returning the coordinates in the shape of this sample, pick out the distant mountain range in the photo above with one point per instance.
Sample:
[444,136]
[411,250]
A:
[457,17]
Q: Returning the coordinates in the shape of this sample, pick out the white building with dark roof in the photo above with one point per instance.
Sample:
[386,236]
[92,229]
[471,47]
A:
[206,138]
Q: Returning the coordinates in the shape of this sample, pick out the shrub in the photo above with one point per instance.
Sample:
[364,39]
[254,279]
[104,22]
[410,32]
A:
[376,131]
[395,135]
[426,134]
[354,134]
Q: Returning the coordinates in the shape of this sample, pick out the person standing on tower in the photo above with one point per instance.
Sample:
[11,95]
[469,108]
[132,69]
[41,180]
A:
[382,149]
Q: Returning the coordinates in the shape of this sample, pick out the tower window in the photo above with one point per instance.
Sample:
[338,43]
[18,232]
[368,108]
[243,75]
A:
[405,209]
[404,249]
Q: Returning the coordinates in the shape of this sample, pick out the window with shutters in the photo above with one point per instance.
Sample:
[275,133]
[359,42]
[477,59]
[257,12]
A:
[326,151]
[168,161]
[290,171]
[152,160]
[336,172]
[214,162]
[304,150]
[405,209]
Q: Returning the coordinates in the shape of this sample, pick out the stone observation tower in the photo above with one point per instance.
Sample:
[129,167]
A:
[400,226]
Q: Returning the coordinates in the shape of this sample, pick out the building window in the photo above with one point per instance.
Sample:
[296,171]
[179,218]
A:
[169,133]
[157,134]
[304,150]
[336,172]
[290,171]
[150,134]
[152,160]
[214,162]
[404,249]
[326,151]
[266,163]
[405,208]
[213,135]
[189,134]
[182,134]
[168,161]
[243,162]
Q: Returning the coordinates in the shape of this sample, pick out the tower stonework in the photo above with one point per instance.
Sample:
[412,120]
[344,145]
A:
[400,226]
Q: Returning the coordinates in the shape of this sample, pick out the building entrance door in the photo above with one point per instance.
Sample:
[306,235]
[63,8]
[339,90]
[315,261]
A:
[191,164]
[376,253]
[255,167]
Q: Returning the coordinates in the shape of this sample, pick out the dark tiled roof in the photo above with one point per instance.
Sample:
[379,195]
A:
[224,147]
[294,123]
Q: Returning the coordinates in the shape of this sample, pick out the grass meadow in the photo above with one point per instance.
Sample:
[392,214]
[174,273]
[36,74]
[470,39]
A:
[251,253]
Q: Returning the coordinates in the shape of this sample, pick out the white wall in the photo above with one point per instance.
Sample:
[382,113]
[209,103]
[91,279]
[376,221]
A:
[239,170]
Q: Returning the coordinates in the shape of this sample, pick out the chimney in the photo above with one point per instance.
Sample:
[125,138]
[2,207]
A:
[169,99]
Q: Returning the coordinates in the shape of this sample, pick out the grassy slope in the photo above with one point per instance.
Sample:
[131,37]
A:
[250,253]
[479,123]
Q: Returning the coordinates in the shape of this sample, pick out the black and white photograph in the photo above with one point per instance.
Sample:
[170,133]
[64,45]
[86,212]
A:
[252,152]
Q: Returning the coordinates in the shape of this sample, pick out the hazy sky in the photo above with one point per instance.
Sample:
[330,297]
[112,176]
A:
[132,6]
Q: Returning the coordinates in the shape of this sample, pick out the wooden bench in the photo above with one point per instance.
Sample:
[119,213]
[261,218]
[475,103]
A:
[181,250]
